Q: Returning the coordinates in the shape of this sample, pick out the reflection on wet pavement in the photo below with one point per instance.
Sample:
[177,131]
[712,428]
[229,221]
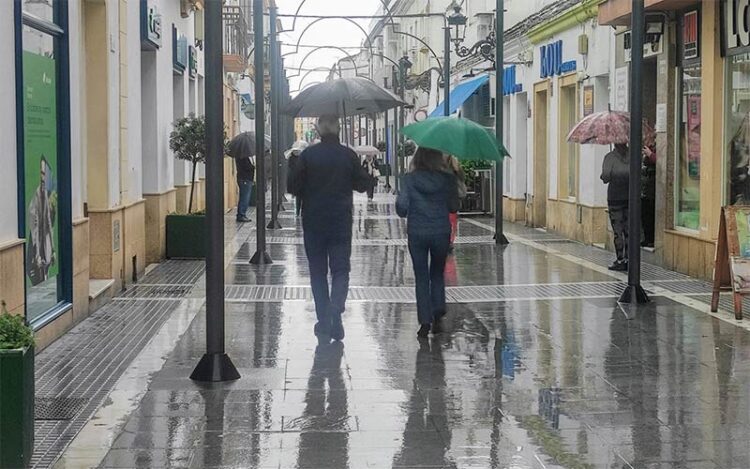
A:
[546,382]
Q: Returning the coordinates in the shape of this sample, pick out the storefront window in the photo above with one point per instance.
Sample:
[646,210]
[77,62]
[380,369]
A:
[40,161]
[738,128]
[688,168]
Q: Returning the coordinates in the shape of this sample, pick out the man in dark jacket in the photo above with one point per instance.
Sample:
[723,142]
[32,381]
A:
[616,174]
[245,178]
[324,178]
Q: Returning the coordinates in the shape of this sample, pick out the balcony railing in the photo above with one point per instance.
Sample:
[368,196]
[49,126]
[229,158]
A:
[235,40]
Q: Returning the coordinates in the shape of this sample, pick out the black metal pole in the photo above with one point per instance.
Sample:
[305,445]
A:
[274,224]
[261,257]
[215,365]
[401,159]
[634,293]
[499,127]
[447,72]
[388,151]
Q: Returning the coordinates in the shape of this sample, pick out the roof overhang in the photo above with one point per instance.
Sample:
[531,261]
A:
[617,12]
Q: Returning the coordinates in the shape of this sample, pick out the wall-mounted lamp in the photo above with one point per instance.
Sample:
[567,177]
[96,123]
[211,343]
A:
[654,29]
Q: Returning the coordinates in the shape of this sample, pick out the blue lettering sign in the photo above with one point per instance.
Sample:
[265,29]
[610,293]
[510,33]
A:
[551,60]
[509,81]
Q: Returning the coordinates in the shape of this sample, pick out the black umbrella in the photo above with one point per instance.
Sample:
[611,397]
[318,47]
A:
[342,97]
[243,145]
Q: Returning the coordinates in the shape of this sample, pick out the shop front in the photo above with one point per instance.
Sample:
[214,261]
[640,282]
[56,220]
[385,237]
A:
[43,158]
[568,80]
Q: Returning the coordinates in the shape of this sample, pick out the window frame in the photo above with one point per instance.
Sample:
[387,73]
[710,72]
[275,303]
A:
[58,30]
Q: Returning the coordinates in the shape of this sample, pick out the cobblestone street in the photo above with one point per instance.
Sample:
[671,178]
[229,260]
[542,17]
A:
[539,367]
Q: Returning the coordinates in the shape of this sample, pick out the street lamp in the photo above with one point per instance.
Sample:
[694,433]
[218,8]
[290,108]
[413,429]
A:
[404,65]
[458,21]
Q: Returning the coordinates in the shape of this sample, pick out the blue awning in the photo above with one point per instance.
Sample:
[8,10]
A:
[460,94]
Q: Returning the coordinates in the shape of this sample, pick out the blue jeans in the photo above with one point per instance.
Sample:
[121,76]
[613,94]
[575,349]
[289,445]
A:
[428,254]
[329,251]
[246,191]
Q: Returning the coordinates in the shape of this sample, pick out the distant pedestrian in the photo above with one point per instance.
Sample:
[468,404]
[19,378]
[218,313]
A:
[245,178]
[616,173]
[429,193]
[371,168]
[454,166]
[292,156]
[324,178]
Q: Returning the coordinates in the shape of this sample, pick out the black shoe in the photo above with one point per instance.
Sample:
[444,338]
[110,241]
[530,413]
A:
[618,266]
[243,220]
[337,328]
[437,327]
[322,332]
[424,331]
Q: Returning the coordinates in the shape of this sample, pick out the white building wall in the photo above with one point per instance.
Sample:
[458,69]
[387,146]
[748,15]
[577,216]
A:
[77,110]
[135,171]
[8,208]
[595,64]
[113,97]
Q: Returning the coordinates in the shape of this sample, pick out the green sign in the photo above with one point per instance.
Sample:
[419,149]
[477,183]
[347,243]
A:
[40,174]
[743,232]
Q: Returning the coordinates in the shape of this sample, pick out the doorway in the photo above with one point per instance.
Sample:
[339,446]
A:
[648,172]
[540,190]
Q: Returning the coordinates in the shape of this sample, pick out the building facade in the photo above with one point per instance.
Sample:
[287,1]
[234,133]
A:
[89,174]
[565,59]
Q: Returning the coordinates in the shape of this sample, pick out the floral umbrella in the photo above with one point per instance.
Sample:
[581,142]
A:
[608,128]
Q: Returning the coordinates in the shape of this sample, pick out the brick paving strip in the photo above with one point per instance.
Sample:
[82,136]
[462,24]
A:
[84,367]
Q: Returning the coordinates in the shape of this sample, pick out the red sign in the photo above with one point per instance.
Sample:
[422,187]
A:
[690,36]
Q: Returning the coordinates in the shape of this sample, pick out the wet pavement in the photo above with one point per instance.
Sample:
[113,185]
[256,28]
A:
[539,367]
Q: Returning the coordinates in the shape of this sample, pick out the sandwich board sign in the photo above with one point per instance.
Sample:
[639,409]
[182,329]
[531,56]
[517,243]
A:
[732,262]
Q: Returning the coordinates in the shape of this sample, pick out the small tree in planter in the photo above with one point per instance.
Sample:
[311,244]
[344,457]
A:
[188,142]
[186,233]
[16,391]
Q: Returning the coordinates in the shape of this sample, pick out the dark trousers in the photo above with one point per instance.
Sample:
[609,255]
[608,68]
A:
[648,219]
[246,191]
[371,192]
[329,251]
[618,216]
[428,254]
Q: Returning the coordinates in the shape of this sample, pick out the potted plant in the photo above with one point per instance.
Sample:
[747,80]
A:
[16,391]
[186,232]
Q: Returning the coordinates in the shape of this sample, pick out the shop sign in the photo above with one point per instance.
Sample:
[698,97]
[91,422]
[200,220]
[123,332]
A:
[588,100]
[622,88]
[179,51]
[650,48]
[735,26]
[193,61]
[690,36]
[509,82]
[551,60]
[150,25]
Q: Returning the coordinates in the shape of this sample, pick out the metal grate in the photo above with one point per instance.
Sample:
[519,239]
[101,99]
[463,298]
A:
[472,294]
[155,291]
[58,408]
[296,240]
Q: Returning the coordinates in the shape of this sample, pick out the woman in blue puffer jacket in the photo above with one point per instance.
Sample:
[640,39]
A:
[429,193]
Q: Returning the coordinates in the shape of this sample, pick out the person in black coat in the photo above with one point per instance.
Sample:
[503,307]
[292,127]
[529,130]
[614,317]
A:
[429,193]
[324,177]
[245,178]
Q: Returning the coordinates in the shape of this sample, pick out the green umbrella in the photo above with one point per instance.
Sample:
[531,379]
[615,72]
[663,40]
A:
[462,138]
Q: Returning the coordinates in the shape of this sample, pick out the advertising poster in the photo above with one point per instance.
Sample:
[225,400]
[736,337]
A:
[40,170]
[741,274]
[694,135]
[743,232]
